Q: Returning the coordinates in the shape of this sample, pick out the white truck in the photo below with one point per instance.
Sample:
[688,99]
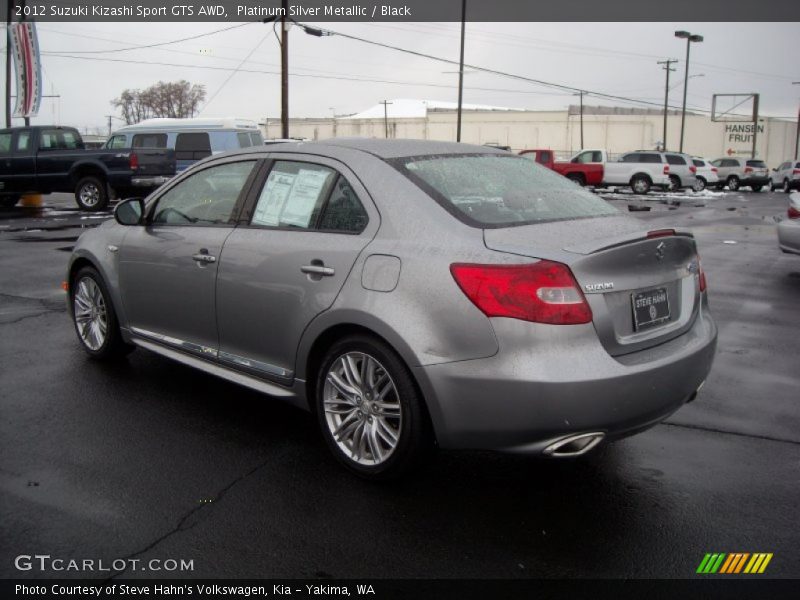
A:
[640,170]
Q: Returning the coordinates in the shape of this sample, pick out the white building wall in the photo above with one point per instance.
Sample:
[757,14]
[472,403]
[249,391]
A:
[560,131]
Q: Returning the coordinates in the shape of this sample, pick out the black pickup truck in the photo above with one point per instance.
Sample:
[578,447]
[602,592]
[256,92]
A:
[45,159]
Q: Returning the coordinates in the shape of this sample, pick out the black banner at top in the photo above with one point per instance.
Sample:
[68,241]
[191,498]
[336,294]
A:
[403,10]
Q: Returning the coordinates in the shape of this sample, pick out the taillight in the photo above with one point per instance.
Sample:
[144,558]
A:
[701,275]
[714,170]
[748,169]
[657,233]
[795,171]
[793,213]
[134,162]
[543,292]
[666,169]
[693,169]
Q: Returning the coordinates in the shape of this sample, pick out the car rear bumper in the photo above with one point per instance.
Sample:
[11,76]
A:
[789,236]
[548,382]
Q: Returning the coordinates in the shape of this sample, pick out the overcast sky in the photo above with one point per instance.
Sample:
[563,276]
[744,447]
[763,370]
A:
[612,58]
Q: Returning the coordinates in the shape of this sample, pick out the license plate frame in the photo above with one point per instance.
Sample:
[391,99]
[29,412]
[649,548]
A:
[650,308]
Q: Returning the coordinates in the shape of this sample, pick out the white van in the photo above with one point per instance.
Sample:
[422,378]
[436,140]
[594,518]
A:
[192,139]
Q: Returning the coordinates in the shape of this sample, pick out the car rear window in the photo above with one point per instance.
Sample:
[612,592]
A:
[698,163]
[757,163]
[192,146]
[674,159]
[490,190]
[149,140]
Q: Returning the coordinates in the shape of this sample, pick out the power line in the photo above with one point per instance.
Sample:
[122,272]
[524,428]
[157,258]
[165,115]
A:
[236,70]
[194,37]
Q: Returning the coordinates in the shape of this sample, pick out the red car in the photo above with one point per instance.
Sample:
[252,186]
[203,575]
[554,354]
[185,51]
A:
[575,169]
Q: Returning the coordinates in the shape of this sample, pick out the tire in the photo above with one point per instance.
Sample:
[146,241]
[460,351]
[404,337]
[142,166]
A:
[91,193]
[376,440]
[640,184]
[756,188]
[699,184]
[787,187]
[674,184]
[771,186]
[577,178]
[94,318]
[9,201]
[733,183]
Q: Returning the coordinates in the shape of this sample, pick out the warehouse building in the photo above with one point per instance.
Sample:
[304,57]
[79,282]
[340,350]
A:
[616,129]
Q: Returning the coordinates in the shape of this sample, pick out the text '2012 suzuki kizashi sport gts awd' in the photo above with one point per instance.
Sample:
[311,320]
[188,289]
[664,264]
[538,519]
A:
[410,294]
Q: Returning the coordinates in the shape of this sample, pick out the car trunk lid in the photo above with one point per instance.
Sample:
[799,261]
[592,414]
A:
[642,286]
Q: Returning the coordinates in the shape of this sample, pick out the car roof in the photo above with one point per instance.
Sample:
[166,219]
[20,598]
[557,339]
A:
[381,148]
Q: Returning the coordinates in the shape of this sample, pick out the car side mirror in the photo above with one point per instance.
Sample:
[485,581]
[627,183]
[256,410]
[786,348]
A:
[129,211]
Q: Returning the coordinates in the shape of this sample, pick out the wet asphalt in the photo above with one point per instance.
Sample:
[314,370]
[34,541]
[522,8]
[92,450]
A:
[150,459]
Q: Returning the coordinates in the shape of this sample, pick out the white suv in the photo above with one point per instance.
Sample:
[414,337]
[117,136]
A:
[786,177]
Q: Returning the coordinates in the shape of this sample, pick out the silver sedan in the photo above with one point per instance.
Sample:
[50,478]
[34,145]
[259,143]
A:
[410,294]
[789,228]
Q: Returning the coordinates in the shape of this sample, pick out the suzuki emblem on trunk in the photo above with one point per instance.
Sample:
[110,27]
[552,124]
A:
[660,250]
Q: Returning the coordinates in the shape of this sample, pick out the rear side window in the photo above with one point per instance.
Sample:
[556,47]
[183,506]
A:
[149,140]
[256,138]
[499,191]
[674,159]
[631,158]
[58,139]
[655,158]
[5,142]
[192,146]
[244,140]
[590,156]
[343,211]
[293,195]
[760,164]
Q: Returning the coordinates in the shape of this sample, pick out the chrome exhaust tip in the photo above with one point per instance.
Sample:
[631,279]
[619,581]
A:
[574,445]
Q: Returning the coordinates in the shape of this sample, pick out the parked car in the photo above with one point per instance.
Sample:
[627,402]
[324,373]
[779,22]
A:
[786,177]
[789,228]
[705,173]
[738,172]
[50,158]
[642,170]
[582,173]
[408,293]
[191,139]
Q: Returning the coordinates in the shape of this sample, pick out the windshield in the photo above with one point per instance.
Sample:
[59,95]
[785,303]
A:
[491,190]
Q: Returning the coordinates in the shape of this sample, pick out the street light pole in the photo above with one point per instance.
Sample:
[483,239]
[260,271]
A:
[689,39]
[667,68]
[461,69]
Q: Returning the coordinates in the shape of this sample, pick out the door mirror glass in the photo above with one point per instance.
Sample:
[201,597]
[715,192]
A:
[129,211]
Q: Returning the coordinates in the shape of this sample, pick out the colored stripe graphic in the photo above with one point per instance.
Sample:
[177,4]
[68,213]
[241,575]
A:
[734,563]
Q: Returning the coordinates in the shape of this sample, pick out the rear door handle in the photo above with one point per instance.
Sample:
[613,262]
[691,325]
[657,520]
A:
[318,270]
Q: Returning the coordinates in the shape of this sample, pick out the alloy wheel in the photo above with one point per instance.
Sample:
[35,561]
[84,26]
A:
[89,194]
[91,319]
[362,408]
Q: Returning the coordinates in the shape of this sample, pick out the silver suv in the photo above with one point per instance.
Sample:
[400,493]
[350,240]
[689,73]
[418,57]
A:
[786,177]
[738,172]
[682,171]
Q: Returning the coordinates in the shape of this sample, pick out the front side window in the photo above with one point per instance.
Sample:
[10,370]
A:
[23,141]
[57,139]
[293,195]
[116,142]
[5,142]
[500,191]
[207,197]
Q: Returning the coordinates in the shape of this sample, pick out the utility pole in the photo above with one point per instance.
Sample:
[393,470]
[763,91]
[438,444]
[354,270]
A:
[797,134]
[755,122]
[109,124]
[386,104]
[284,72]
[581,95]
[667,68]
[8,61]
[461,69]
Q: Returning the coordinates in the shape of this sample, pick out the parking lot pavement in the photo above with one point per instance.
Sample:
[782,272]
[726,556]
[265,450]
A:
[150,459]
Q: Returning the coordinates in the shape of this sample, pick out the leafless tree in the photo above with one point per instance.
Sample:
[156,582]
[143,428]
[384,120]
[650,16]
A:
[176,99]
